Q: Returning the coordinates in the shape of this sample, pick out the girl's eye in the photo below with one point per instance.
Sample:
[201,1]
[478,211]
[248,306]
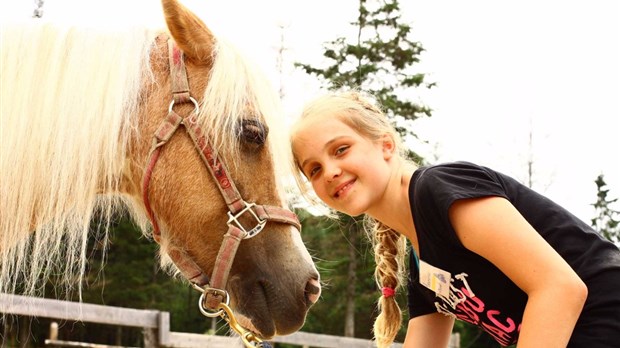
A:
[313,171]
[341,150]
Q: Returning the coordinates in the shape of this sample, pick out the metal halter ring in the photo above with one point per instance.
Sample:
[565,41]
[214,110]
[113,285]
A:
[196,107]
[207,312]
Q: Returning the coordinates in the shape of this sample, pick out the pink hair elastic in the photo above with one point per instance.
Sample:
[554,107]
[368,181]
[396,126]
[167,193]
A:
[388,292]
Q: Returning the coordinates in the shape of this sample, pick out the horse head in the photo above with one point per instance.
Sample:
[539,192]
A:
[229,140]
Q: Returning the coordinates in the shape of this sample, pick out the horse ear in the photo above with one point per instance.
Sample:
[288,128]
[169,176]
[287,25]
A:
[188,31]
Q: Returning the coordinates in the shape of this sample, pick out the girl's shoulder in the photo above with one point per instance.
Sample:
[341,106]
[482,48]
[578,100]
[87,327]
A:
[457,180]
[454,168]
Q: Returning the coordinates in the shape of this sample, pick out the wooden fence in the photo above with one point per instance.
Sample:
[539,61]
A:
[156,326]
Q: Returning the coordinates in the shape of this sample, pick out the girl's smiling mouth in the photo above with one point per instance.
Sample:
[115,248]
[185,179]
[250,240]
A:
[343,188]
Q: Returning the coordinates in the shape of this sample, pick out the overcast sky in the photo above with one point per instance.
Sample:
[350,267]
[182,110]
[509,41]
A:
[504,69]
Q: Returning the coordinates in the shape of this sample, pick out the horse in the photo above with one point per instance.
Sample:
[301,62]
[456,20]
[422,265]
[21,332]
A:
[172,125]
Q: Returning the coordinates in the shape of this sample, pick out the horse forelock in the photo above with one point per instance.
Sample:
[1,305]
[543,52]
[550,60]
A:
[238,90]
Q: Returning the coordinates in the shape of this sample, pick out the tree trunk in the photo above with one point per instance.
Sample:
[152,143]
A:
[349,319]
[7,334]
[24,331]
[119,336]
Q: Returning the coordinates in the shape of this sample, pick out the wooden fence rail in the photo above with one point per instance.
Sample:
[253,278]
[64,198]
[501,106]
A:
[156,325]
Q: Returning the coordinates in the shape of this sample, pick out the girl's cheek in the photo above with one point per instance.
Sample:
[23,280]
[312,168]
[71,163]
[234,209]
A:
[315,187]
[319,192]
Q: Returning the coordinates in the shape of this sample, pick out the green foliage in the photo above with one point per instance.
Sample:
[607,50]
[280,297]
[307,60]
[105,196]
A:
[328,242]
[606,221]
[473,336]
[127,275]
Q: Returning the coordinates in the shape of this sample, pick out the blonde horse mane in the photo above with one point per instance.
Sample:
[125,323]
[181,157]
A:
[70,100]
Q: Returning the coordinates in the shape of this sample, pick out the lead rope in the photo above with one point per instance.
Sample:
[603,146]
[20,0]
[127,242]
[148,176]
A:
[248,338]
[38,10]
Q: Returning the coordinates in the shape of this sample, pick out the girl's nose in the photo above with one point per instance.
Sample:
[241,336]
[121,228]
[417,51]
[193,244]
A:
[331,172]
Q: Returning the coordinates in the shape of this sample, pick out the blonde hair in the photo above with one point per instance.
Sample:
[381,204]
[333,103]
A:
[69,97]
[361,112]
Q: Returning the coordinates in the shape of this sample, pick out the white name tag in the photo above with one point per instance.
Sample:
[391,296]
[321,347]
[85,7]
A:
[435,279]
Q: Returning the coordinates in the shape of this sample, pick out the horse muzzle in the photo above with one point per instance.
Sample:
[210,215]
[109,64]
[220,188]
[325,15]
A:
[271,311]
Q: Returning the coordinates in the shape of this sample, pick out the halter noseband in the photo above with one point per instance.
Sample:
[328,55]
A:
[214,287]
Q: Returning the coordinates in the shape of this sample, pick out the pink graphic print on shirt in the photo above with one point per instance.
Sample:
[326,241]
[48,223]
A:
[464,305]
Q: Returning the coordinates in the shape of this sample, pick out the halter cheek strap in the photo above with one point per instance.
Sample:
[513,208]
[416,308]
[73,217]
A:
[261,214]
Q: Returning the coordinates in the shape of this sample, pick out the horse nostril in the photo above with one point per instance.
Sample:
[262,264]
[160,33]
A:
[312,291]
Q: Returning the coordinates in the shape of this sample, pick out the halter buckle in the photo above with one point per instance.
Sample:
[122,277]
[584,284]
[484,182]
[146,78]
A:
[233,219]
[202,300]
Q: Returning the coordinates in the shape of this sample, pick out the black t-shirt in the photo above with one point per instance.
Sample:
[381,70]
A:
[479,292]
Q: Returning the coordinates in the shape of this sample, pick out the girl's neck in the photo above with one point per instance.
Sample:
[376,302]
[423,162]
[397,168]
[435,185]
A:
[393,209]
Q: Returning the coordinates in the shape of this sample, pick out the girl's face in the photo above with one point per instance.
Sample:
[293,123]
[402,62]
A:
[348,171]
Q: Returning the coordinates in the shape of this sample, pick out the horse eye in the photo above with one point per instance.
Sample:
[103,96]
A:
[252,131]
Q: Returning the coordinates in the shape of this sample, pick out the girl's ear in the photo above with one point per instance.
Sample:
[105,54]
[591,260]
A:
[388,146]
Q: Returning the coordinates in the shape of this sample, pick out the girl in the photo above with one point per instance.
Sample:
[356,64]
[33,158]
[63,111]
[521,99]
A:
[484,248]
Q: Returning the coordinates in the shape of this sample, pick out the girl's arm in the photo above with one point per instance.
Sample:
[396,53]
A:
[429,331]
[495,230]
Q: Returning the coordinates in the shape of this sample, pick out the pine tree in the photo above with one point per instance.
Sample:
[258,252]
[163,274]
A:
[380,60]
[606,220]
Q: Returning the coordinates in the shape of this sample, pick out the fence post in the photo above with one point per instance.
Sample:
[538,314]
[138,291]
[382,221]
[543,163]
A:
[455,340]
[150,338]
[163,328]
[53,331]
